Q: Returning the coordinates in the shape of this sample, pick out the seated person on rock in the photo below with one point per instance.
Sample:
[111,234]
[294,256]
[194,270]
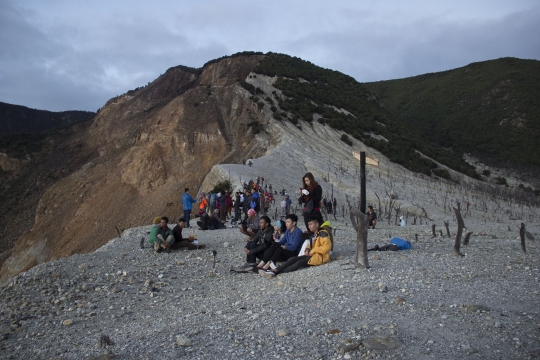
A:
[190,243]
[155,225]
[372,217]
[164,236]
[287,247]
[317,253]
[251,225]
[214,222]
[262,241]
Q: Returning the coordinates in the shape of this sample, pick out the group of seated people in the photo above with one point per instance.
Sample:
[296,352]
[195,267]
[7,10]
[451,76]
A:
[288,246]
[162,238]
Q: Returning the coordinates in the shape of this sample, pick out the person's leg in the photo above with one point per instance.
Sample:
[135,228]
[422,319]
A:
[186,216]
[301,262]
[250,258]
[280,269]
[159,243]
[269,253]
[282,254]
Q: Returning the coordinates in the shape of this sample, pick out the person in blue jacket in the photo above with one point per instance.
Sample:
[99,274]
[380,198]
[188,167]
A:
[187,205]
[287,247]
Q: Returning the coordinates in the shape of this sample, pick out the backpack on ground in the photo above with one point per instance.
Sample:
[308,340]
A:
[401,244]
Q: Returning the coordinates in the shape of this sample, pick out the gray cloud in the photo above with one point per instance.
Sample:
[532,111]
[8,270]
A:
[62,55]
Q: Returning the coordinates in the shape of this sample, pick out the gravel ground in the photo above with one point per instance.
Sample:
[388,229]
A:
[125,302]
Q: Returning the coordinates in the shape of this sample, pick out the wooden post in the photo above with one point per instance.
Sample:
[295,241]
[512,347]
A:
[461,225]
[363,182]
[360,223]
[522,237]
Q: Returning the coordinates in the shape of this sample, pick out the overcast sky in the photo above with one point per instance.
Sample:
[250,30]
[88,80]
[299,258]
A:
[63,55]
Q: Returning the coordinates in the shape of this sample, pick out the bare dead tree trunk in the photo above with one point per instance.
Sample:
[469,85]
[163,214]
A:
[433,230]
[447,229]
[360,224]
[522,237]
[461,225]
[379,201]
[466,238]
[424,210]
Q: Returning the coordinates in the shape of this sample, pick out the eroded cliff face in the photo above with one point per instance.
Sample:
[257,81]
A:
[140,152]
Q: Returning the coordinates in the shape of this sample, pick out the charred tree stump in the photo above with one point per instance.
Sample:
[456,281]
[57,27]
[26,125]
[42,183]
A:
[466,238]
[447,229]
[522,237]
[433,231]
[360,224]
[461,225]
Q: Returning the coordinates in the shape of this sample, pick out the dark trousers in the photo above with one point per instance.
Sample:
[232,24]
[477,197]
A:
[223,213]
[184,244]
[277,253]
[293,264]
[187,214]
[316,214]
[252,258]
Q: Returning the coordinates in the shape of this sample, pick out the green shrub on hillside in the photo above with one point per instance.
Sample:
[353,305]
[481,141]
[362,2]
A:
[320,88]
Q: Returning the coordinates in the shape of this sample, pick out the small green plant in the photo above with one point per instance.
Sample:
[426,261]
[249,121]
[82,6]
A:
[222,187]
[442,173]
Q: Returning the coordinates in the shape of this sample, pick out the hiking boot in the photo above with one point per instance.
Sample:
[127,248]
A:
[201,246]
[272,265]
[159,250]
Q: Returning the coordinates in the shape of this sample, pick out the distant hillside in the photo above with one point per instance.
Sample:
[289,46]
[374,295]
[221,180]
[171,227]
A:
[489,109]
[330,97]
[20,119]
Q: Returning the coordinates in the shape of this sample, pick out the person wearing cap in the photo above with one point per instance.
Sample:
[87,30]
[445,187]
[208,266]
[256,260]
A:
[317,252]
[203,203]
[164,236]
[187,205]
[251,225]
[180,242]
[153,230]
[288,203]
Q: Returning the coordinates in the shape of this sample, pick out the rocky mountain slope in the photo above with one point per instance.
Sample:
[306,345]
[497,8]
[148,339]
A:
[137,154]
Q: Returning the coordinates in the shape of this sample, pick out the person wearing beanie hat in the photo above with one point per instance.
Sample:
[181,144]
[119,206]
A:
[187,205]
[153,230]
[251,225]
[203,203]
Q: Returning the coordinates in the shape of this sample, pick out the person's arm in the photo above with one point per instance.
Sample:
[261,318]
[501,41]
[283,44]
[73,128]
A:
[324,244]
[296,240]
[283,240]
[193,201]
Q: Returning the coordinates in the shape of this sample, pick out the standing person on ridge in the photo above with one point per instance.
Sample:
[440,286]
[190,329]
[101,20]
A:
[187,205]
[311,191]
